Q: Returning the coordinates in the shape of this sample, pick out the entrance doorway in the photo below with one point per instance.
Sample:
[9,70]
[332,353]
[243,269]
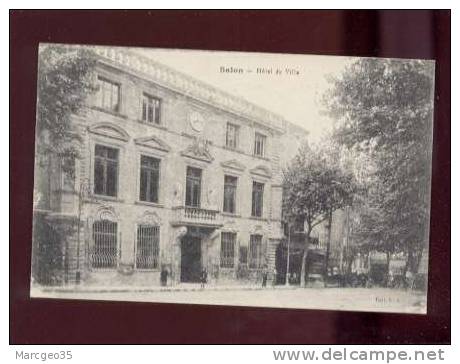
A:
[190,270]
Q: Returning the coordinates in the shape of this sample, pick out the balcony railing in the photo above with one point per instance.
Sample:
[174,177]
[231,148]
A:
[185,215]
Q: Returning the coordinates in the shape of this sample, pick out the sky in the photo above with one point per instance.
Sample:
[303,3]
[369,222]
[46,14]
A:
[294,96]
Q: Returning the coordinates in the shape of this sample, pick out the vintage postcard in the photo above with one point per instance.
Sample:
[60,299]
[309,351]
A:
[227,178]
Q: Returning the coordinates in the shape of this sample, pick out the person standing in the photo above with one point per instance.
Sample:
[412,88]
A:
[264,277]
[274,277]
[164,277]
[204,277]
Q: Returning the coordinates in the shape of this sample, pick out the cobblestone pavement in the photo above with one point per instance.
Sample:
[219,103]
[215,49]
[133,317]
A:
[355,299]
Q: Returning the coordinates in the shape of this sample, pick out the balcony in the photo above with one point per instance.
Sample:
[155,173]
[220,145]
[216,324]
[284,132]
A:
[196,216]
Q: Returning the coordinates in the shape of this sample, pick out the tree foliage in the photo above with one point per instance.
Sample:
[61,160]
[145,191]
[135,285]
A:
[65,80]
[315,185]
[383,110]
[64,83]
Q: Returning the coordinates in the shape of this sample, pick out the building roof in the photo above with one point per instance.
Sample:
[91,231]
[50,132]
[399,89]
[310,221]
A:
[190,86]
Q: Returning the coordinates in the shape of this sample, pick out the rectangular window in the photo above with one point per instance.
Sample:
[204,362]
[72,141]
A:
[255,251]
[257,199]
[109,95]
[147,246]
[149,179]
[230,184]
[150,109]
[105,250]
[243,255]
[227,250]
[67,172]
[105,171]
[193,187]
[232,136]
[259,144]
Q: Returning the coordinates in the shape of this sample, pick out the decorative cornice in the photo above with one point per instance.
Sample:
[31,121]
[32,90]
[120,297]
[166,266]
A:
[262,171]
[149,218]
[153,142]
[107,212]
[109,130]
[185,84]
[233,164]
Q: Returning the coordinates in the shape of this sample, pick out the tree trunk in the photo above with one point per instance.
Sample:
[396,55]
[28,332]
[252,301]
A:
[304,259]
[409,262]
[48,182]
[388,265]
[328,246]
[418,259]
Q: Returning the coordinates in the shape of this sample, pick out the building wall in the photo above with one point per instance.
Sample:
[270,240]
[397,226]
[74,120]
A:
[174,142]
[338,234]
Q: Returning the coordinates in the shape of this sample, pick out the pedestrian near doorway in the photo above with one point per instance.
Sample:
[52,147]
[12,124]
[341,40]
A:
[204,277]
[274,277]
[264,277]
[164,277]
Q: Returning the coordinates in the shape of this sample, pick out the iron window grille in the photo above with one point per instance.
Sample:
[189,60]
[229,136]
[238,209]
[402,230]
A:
[109,95]
[151,109]
[230,185]
[255,251]
[105,171]
[227,250]
[147,247]
[257,199]
[243,255]
[105,246]
[149,179]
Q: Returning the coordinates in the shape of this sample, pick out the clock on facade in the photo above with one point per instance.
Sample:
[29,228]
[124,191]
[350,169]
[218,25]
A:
[196,121]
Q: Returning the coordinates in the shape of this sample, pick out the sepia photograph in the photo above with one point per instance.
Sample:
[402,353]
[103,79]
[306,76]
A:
[232,178]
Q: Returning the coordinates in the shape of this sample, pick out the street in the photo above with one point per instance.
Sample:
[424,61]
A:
[348,299]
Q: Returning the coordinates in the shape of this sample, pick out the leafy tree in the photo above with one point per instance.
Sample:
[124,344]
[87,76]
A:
[64,83]
[383,110]
[65,80]
[315,185]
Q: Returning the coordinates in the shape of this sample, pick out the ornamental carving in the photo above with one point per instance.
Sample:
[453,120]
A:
[149,218]
[106,212]
[198,149]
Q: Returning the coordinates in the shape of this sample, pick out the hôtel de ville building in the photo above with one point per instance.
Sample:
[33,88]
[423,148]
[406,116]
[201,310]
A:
[174,175]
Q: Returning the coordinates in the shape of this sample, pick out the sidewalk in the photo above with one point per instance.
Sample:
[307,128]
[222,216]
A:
[349,299]
[182,287]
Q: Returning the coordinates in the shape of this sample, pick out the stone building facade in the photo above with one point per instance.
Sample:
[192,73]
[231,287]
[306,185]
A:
[175,175]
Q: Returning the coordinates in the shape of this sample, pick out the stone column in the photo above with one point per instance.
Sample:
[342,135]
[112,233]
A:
[210,252]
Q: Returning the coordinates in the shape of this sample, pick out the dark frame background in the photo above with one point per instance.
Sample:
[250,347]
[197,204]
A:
[401,34]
